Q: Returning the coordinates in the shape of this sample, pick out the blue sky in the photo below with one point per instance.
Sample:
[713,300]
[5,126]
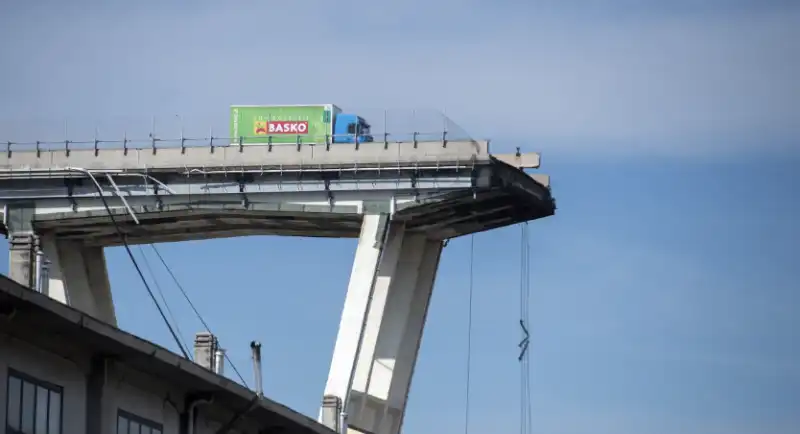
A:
[664,294]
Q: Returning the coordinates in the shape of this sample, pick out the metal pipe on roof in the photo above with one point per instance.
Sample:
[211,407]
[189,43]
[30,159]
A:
[219,361]
[255,346]
[38,278]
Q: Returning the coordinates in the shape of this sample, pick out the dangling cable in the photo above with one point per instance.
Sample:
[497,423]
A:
[163,298]
[469,330]
[525,411]
[188,300]
[523,345]
[529,404]
[124,241]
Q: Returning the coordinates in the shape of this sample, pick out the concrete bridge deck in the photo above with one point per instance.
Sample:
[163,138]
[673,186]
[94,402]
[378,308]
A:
[444,189]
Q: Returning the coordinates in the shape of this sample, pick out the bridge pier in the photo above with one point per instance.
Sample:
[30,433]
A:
[22,243]
[22,258]
[391,283]
[78,277]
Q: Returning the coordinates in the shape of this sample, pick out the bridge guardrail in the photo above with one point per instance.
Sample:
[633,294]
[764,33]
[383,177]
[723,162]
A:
[176,131]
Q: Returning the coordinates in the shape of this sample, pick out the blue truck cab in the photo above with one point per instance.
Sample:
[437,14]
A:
[347,128]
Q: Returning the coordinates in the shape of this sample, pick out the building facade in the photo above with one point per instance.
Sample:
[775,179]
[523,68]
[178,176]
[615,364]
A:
[64,372]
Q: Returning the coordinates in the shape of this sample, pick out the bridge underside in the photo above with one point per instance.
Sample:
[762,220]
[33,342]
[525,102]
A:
[441,202]
[439,217]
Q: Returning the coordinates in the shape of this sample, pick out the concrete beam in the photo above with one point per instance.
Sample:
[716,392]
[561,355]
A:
[23,185]
[446,215]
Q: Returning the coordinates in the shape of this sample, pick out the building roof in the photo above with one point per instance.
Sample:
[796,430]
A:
[38,319]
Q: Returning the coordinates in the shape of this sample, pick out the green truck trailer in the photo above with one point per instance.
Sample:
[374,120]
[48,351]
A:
[323,123]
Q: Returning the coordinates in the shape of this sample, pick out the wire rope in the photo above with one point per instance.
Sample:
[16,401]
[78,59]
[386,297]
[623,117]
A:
[194,309]
[124,241]
[469,331]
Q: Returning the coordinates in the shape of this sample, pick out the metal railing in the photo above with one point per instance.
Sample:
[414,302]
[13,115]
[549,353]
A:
[176,131]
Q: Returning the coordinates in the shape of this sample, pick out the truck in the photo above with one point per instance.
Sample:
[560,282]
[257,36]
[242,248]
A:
[322,123]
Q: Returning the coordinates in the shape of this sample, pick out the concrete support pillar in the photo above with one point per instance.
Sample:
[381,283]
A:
[78,277]
[392,283]
[22,258]
[22,243]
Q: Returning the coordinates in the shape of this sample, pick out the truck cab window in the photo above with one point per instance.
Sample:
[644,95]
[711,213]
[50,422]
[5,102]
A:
[351,128]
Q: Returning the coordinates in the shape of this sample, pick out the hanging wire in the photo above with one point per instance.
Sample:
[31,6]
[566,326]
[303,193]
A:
[469,331]
[529,403]
[124,241]
[196,312]
[128,249]
[523,425]
[163,298]
[525,410]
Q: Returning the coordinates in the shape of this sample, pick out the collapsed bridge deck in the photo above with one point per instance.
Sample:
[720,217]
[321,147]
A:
[442,189]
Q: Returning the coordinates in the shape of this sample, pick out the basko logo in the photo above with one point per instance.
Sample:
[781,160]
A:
[263,128]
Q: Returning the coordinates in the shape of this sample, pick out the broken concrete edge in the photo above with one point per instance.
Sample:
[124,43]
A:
[530,160]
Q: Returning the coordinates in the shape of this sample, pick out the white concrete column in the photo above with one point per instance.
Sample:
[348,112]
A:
[396,283]
[21,258]
[78,277]
[22,243]
[359,290]
[394,367]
